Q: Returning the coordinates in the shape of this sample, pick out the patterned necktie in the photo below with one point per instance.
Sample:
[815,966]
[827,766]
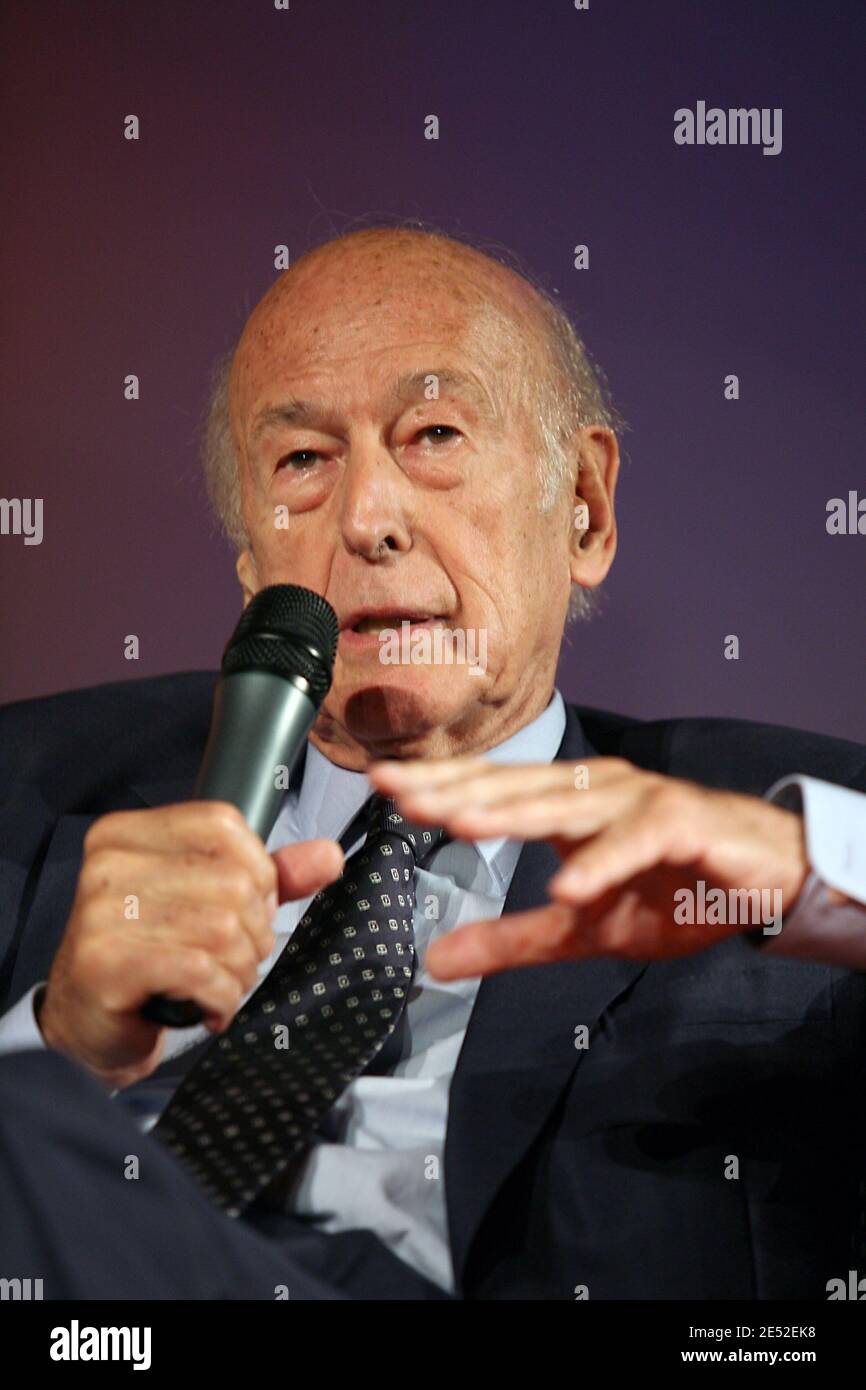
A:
[253,1102]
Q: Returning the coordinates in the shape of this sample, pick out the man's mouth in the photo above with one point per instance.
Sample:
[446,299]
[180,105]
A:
[369,624]
[374,624]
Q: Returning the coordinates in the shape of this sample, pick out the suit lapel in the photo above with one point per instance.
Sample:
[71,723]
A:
[519,1050]
[166,791]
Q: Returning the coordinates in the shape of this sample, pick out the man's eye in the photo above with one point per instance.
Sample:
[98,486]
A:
[439,434]
[299,459]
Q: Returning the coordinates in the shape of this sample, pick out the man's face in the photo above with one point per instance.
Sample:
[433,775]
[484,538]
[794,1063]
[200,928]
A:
[386,463]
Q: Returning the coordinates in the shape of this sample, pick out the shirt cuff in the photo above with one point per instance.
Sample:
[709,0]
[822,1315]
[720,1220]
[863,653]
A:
[835,825]
[19,1030]
[18,1027]
[817,927]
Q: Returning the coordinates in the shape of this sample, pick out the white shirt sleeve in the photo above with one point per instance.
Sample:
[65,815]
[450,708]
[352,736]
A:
[817,928]
[18,1027]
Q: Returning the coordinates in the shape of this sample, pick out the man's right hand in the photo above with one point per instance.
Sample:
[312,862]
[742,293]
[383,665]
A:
[177,901]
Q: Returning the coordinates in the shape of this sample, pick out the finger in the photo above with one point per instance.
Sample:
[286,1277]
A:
[514,788]
[307,867]
[126,978]
[630,846]
[570,815]
[488,791]
[521,938]
[482,783]
[437,774]
[214,829]
[162,884]
[217,990]
[218,930]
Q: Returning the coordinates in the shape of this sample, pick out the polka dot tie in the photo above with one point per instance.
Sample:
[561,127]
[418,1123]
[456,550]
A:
[253,1102]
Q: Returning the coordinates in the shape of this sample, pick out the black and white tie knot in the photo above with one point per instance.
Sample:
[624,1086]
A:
[418,840]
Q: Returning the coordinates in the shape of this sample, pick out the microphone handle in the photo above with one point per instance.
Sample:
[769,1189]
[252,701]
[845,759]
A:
[260,723]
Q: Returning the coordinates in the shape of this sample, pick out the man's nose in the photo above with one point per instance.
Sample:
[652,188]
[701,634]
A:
[375,504]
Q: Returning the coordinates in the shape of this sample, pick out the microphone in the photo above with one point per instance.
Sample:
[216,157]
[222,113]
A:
[276,671]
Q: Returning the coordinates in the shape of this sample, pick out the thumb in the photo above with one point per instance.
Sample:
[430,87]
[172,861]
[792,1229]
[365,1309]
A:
[307,867]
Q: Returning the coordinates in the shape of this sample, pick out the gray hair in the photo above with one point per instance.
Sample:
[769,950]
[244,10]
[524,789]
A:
[572,393]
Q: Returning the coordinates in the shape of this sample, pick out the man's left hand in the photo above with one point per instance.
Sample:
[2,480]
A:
[628,840]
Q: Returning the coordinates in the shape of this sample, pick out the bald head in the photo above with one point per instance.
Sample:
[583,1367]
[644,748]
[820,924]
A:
[378,264]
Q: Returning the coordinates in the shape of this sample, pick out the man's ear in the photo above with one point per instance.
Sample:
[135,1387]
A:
[593,526]
[245,568]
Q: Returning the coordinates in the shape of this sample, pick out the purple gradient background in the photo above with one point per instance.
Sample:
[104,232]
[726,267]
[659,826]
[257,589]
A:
[261,127]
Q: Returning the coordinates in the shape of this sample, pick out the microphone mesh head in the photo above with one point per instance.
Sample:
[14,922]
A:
[290,631]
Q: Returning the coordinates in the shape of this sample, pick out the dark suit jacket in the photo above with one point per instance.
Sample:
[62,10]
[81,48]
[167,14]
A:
[603,1167]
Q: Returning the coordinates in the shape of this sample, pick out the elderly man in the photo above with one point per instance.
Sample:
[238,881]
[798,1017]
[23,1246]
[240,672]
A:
[668,1104]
